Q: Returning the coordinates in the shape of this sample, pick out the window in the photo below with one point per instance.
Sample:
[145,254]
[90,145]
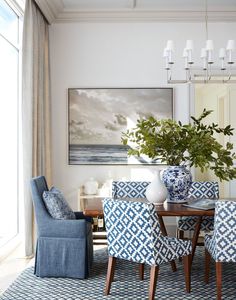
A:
[10,37]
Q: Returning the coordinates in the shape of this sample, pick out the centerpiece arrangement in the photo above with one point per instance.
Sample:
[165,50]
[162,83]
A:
[182,146]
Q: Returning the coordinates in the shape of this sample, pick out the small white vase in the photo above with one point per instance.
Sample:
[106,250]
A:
[156,191]
[91,187]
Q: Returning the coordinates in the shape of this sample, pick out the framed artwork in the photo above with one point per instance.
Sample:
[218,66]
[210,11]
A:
[98,116]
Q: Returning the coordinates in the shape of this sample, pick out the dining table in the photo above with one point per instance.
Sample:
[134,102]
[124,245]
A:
[93,207]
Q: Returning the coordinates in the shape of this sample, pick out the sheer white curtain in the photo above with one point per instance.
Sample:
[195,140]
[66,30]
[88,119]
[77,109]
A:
[36,128]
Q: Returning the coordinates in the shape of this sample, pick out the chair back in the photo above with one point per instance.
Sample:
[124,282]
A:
[129,189]
[224,235]
[204,189]
[38,186]
[132,229]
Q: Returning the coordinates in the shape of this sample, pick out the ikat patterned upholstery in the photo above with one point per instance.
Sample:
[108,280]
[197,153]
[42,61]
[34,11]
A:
[133,233]
[129,189]
[222,244]
[200,189]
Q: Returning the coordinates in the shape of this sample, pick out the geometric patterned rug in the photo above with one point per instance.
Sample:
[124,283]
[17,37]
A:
[126,285]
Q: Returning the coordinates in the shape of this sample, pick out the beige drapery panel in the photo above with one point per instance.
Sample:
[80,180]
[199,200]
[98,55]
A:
[36,125]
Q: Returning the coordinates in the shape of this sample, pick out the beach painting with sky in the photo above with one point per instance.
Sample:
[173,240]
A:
[97,117]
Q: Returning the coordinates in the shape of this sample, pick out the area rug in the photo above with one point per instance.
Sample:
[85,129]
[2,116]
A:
[126,284]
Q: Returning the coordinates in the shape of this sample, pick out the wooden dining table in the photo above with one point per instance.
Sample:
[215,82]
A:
[93,207]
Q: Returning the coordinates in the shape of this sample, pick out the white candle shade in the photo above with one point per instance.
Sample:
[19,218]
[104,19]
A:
[189,45]
[209,45]
[203,53]
[170,45]
[230,45]
[185,53]
[165,53]
[222,53]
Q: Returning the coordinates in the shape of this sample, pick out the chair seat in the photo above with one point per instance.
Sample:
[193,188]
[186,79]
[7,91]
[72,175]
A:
[170,248]
[189,223]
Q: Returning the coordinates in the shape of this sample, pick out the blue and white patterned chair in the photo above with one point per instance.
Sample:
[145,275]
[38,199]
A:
[129,189]
[221,246]
[198,190]
[133,189]
[133,233]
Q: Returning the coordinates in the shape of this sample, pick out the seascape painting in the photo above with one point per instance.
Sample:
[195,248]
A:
[97,117]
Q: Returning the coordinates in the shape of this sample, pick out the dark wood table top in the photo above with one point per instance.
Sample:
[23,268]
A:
[93,207]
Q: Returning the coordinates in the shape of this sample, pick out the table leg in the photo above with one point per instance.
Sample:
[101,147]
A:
[164,232]
[195,236]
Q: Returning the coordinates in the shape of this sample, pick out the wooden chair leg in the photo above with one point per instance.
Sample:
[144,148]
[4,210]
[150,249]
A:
[207,266]
[187,272]
[141,271]
[110,274]
[153,281]
[218,279]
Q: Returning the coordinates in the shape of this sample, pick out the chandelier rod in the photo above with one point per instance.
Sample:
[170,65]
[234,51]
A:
[206,19]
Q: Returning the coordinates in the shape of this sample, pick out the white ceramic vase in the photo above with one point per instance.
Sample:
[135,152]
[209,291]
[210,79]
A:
[91,187]
[156,191]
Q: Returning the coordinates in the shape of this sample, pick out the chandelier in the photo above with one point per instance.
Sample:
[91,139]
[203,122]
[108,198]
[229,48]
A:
[207,73]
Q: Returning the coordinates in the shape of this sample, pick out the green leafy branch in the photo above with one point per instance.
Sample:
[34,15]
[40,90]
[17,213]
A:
[176,144]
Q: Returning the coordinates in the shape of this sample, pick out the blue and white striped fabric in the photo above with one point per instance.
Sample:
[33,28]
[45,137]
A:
[133,233]
[199,190]
[129,189]
[222,244]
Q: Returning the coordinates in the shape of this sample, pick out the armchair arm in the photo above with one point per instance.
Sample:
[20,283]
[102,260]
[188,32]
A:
[64,228]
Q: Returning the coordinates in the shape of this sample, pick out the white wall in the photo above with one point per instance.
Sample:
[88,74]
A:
[208,96]
[114,55]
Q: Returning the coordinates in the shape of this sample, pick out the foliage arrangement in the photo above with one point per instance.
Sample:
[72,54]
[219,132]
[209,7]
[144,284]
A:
[176,144]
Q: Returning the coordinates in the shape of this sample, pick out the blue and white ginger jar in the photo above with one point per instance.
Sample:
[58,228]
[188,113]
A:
[177,180]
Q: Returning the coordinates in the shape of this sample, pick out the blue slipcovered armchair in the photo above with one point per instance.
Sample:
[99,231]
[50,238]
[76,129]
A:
[64,247]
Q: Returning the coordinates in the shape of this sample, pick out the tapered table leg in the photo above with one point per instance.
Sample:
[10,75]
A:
[195,236]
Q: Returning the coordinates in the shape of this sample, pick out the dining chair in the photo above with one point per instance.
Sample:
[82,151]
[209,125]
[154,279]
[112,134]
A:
[133,234]
[198,190]
[64,247]
[221,246]
[133,189]
[129,189]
